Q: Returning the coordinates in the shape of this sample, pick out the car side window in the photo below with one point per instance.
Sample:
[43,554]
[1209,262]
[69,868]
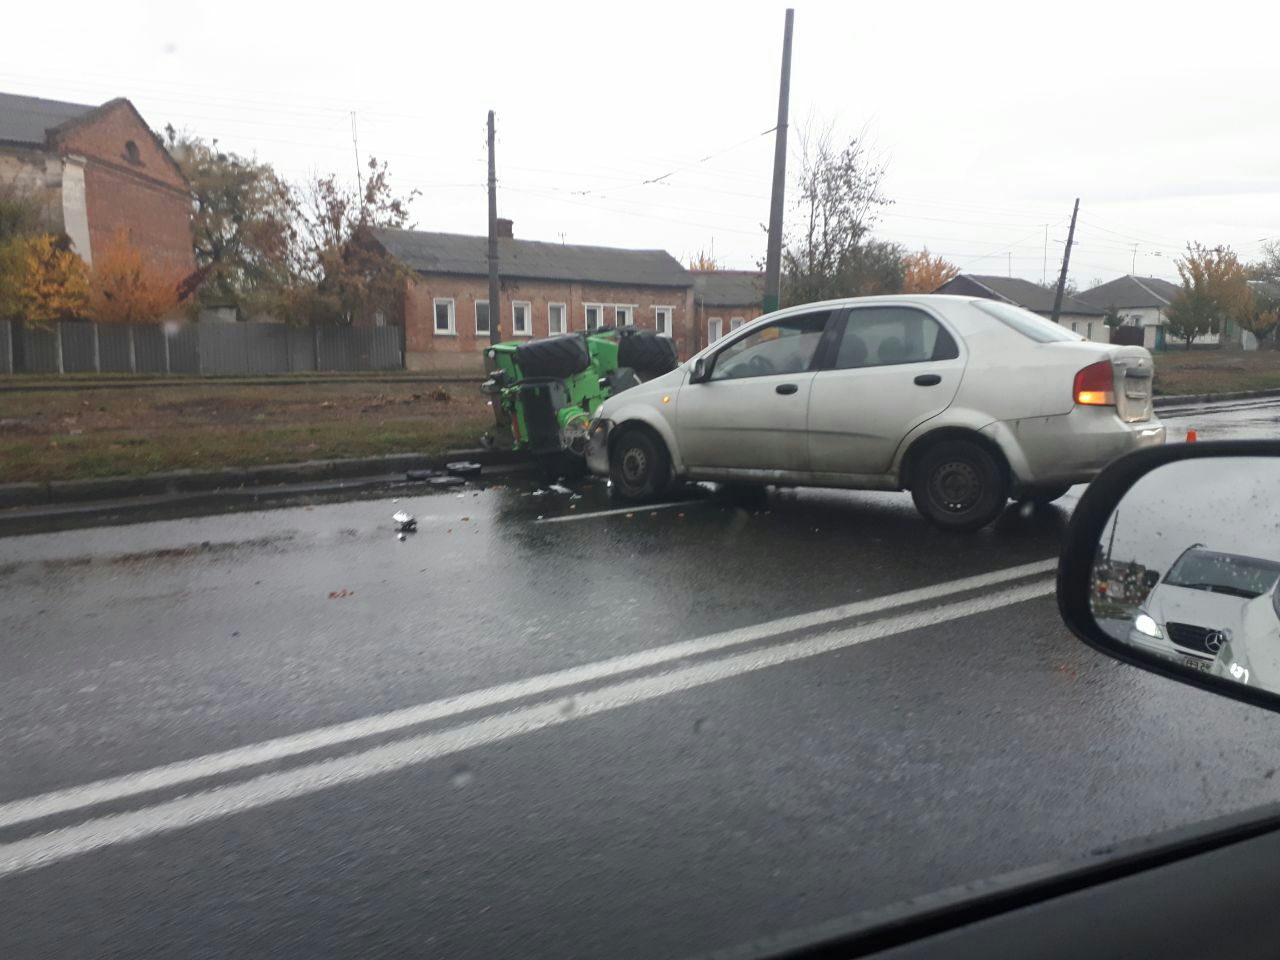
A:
[888,335]
[784,346]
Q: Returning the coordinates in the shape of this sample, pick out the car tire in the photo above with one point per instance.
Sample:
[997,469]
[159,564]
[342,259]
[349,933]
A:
[1045,494]
[647,354]
[639,466]
[553,357]
[958,485]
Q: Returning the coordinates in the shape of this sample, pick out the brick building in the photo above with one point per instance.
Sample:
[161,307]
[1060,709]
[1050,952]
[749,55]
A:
[95,171]
[726,299]
[547,288]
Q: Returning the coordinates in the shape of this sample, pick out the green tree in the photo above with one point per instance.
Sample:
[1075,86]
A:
[1214,290]
[244,231]
[1263,316]
[1112,317]
[827,250]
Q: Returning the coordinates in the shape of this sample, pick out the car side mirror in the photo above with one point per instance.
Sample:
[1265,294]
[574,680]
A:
[701,370]
[1172,564]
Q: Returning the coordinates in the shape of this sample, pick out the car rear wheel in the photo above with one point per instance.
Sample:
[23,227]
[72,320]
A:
[959,485]
[639,466]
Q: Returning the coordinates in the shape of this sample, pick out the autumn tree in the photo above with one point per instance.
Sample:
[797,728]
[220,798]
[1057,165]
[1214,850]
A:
[244,231]
[1215,290]
[702,260]
[924,273]
[125,288]
[352,275]
[1263,316]
[49,283]
[828,251]
[1267,266]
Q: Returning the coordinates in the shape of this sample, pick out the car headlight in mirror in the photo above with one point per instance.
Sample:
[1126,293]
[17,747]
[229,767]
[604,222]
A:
[1144,623]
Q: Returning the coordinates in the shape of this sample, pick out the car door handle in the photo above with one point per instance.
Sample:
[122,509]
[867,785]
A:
[786,388]
[928,380]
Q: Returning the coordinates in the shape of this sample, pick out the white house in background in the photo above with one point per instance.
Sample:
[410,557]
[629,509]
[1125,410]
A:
[1076,315]
[1141,302]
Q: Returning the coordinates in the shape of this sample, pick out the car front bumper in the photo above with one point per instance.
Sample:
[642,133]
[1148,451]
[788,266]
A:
[598,446]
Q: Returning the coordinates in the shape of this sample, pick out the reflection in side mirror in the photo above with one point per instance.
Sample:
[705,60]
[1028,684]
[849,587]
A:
[701,370]
[1182,567]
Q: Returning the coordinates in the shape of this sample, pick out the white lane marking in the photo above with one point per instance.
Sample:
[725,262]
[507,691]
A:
[48,848]
[641,508]
[183,771]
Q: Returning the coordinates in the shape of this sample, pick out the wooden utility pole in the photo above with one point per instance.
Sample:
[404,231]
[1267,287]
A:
[495,308]
[1066,260]
[773,255]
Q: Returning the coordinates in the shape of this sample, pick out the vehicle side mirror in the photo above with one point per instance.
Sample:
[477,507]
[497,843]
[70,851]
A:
[1172,564]
[701,370]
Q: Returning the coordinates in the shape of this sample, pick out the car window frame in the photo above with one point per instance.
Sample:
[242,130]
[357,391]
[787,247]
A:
[728,340]
[835,337]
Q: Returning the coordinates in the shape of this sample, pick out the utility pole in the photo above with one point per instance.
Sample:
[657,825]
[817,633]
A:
[1133,267]
[355,145]
[773,255]
[1009,269]
[495,308]
[1066,261]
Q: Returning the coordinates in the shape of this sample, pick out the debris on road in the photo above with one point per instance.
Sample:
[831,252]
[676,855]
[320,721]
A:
[449,480]
[463,468]
[401,537]
[560,488]
[405,522]
[340,594]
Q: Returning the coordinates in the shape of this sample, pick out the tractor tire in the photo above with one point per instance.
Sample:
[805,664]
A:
[647,354]
[958,485]
[552,357]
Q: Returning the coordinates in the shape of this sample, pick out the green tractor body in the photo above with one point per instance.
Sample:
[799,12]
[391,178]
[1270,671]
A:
[547,390]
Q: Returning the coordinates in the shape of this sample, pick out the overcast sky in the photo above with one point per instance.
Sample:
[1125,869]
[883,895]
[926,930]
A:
[991,117]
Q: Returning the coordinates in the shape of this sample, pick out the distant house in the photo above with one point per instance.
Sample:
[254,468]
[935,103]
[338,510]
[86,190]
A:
[1140,301]
[1077,315]
[726,299]
[547,288]
[96,171]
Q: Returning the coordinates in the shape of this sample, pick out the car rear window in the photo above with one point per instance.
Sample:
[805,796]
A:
[1030,325]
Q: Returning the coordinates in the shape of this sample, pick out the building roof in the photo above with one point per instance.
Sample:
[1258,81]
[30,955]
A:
[533,259]
[1014,290]
[1131,291]
[729,288]
[28,119]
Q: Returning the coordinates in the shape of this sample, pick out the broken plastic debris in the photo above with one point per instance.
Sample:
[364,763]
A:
[558,488]
[405,522]
[400,537]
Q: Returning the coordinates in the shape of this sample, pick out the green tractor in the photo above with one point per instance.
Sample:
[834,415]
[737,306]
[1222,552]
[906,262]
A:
[546,390]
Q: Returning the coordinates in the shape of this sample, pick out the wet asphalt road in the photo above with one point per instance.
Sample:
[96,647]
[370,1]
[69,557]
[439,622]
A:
[651,802]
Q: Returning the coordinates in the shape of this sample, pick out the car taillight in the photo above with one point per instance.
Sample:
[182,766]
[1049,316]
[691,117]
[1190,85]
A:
[1095,385]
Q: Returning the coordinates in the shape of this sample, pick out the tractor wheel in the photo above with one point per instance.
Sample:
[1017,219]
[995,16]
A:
[554,357]
[647,353]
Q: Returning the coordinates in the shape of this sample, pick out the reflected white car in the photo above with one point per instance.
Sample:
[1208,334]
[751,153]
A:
[963,401]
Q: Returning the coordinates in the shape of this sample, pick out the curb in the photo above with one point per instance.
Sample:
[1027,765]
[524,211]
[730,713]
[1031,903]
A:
[1185,398]
[176,482]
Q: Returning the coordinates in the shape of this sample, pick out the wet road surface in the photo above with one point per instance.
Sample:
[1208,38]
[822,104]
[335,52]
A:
[540,725]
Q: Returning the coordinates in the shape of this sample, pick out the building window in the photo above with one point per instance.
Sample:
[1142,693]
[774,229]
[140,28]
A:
[132,154]
[521,319]
[444,317]
[735,323]
[624,316]
[593,312]
[662,320]
[715,329]
[482,317]
[555,318]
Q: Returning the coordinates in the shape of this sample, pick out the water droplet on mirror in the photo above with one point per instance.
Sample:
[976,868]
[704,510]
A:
[462,776]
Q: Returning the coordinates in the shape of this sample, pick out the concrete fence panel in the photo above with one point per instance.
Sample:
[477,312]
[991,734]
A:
[6,346]
[184,349]
[222,349]
[115,354]
[79,346]
[149,353]
[39,350]
[267,348]
[302,348]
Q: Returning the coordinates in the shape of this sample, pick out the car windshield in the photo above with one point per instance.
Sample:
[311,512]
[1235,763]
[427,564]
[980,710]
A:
[1224,573]
[1030,325]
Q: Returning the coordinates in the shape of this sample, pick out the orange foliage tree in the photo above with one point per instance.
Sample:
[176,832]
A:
[702,260]
[924,273]
[50,282]
[124,288]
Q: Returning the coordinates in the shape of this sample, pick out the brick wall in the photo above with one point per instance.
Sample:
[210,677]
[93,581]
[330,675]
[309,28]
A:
[427,350]
[727,315]
[133,188]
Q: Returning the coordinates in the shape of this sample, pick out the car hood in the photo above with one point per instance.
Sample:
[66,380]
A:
[1218,611]
[667,383]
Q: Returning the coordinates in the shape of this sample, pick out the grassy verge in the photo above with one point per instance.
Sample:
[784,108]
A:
[1211,371]
[75,434]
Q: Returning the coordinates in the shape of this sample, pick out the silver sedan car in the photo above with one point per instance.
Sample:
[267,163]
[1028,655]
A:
[965,402]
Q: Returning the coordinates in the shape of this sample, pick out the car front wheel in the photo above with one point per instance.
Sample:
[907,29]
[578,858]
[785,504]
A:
[959,485]
[639,467]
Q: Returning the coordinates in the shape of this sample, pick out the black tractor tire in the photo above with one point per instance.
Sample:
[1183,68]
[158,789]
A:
[1044,494]
[648,354]
[639,465]
[553,357]
[958,485]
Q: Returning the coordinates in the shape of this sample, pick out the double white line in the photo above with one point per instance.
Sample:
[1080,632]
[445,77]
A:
[221,801]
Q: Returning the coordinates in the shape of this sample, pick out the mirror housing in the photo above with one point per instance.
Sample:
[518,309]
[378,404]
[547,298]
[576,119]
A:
[1112,590]
[701,370]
